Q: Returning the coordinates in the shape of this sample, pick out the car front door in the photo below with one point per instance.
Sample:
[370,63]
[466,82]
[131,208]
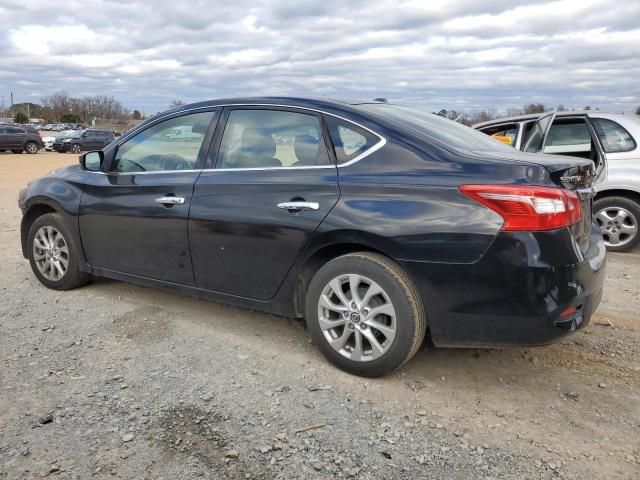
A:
[274,181]
[134,214]
[4,139]
[537,136]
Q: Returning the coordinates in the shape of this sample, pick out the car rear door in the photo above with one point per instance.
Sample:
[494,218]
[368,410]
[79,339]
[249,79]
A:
[134,214]
[271,182]
[15,138]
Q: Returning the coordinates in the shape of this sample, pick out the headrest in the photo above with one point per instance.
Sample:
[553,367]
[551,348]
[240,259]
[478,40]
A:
[258,142]
[306,149]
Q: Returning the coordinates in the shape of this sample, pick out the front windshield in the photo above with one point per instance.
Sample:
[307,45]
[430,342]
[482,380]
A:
[439,128]
[77,134]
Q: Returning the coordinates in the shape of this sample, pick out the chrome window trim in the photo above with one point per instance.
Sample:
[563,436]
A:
[381,142]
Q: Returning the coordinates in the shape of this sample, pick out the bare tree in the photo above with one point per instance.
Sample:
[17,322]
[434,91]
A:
[99,106]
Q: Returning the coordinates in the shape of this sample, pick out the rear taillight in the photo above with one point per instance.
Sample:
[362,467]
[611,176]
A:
[528,207]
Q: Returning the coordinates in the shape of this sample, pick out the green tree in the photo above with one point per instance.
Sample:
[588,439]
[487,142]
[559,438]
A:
[136,115]
[69,118]
[21,118]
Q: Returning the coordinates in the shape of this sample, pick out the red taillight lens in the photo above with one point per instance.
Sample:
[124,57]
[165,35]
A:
[528,207]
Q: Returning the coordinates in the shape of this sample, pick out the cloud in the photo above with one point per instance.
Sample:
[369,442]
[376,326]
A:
[462,54]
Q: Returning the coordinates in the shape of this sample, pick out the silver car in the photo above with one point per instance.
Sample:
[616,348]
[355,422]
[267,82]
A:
[610,140]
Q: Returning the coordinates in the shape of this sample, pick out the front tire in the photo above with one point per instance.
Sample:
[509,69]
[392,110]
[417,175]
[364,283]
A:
[619,221]
[75,148]
[31,147]
[365,314]
[53,255]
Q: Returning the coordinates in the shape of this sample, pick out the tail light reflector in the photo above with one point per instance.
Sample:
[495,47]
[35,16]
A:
[528,207]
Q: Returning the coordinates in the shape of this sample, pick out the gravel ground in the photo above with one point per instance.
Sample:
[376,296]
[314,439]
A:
[118,381]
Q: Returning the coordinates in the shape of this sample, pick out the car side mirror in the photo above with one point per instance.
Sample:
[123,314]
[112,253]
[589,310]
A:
[92,161]
[84,135]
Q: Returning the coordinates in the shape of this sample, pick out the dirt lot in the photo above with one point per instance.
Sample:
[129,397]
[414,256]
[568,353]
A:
[118,381]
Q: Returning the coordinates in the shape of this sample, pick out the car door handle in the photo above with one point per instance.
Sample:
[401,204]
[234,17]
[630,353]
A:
[293,205]
[170,200]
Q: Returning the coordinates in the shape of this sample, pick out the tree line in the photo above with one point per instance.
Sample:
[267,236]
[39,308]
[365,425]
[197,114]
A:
[61,107]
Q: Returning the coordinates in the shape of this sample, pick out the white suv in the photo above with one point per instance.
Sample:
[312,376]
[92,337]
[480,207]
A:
[611,141]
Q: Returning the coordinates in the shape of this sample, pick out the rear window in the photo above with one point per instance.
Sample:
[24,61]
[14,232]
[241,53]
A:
[349,140]
[440,129]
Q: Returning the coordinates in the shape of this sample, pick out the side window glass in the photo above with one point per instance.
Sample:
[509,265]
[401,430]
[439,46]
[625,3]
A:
[613,136]
[159,148]
[348,139]
[272,139]
[536,136]
[569,137]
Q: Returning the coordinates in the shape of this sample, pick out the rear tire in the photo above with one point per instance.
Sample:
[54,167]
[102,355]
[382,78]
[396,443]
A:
[619,221]
[53,255]
[31,147]
[365,314]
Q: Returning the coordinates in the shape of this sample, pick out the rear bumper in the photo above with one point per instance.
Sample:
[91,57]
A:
[516,293]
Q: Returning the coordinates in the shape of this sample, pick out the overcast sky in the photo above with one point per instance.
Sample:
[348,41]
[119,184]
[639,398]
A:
[460,54]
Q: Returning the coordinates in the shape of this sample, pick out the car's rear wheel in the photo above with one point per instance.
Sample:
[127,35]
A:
[619,220]
[53,254]
[364,314]
[31,147]
[75,148]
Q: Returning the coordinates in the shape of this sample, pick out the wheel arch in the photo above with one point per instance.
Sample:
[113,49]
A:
[619,192]
[39,207]
[319,257]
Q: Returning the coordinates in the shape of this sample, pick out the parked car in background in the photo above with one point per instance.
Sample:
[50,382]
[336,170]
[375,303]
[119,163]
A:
[49,140]
[19,139]
[82,140]
[610,141]
[372,220]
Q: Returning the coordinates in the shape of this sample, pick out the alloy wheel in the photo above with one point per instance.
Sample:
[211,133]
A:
[618,226]
[51,253]
[32,148]
[357,317]
[75,148]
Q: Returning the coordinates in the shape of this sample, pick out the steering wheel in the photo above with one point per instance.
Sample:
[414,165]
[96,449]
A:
[171,161]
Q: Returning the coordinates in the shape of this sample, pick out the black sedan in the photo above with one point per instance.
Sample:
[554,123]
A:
[375,222]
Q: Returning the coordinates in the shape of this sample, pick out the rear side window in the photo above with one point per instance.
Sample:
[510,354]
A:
[272,139]
[509,130]
[15,130]
[613,136]
[349,140]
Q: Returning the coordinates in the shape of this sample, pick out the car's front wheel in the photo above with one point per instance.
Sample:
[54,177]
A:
[619,221]
[75,148]
[31,147]
[364,314]
[53,254]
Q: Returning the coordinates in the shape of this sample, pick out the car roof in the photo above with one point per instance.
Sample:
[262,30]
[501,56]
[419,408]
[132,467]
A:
[317,103]
[563,113]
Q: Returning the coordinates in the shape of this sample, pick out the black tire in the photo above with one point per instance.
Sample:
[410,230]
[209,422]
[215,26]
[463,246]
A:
[16,151]
[410,321]
[73,277]
[611,205]
[31,147]
[75,148]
